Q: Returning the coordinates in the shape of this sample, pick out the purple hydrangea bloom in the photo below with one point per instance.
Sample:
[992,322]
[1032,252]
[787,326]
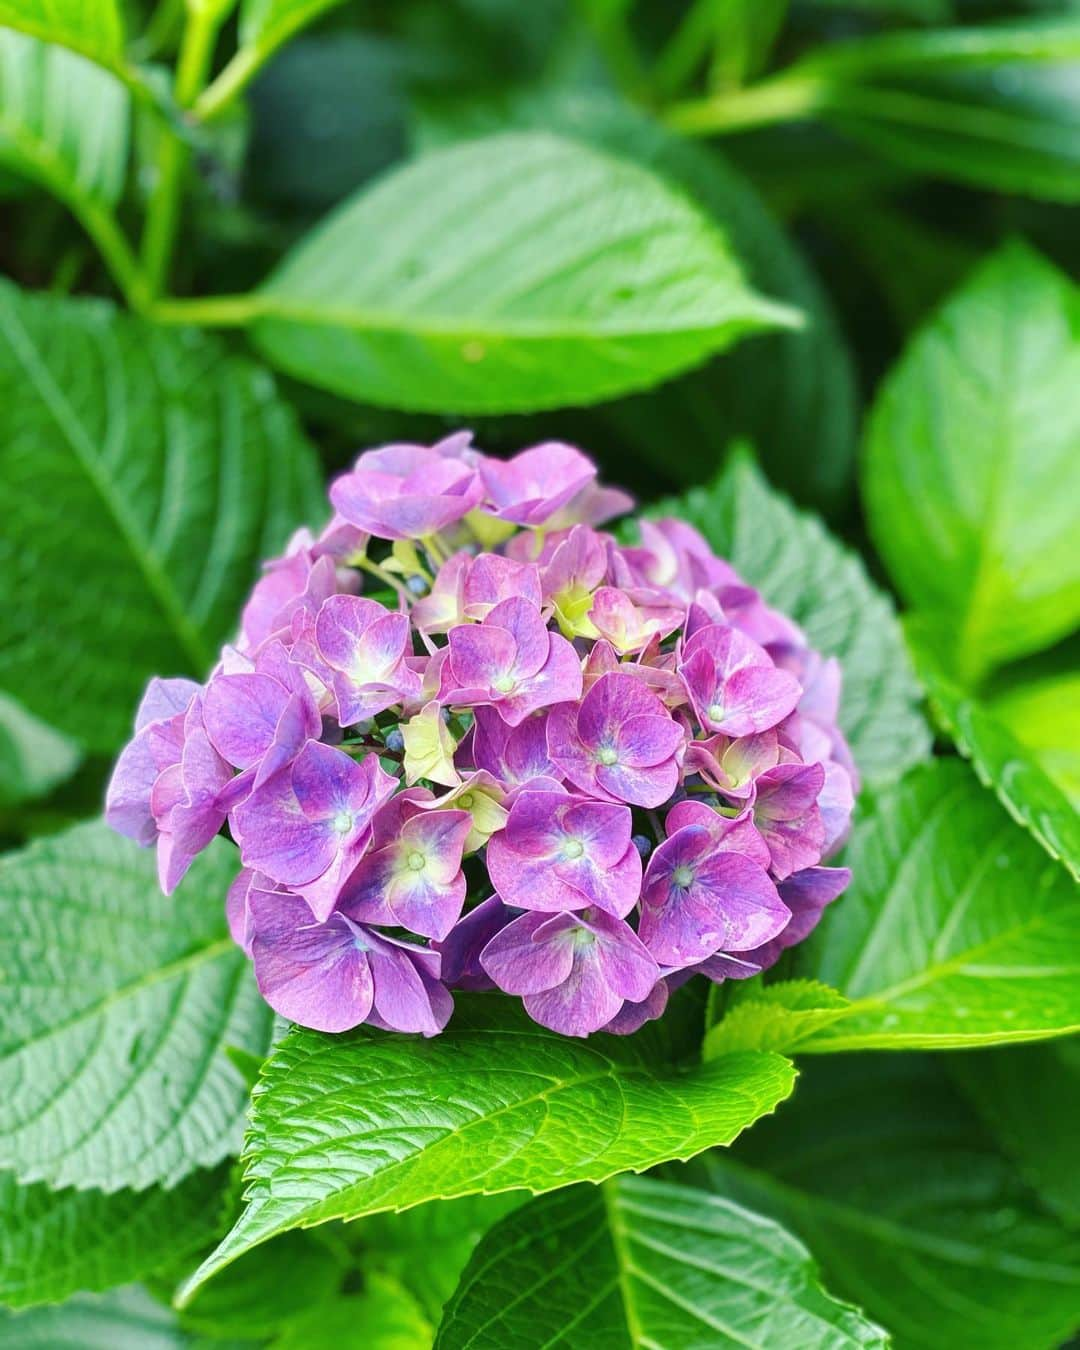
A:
[490,579]
[414,879]
[630,620]
[365,646]
[157,746]
[806,894]
[460,949]
[510,661]
[538,697]
[308,826]
[621,744]
[532,486]
[515,756]
[406,491]
[334,975]
[186,800]
[698,898]
[788,818]
[558,852]
[632,1017]
[733,684]
[575,970]
[733,765]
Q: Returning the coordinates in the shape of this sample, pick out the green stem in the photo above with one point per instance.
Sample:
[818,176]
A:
[163,211]
[232,82]
[786,98]
[211,311]
[686,48]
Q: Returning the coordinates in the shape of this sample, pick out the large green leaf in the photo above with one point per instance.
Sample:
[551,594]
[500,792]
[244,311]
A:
[1029,1099]
[114,1009]
[56,1243]
[1002,761]
[1043,714]
[637,1262]
[791,392]
[957,928]
[384,1316]
[803,570]
[972,475]
[33,757]
[887,1176]
[143,475]
[122,1319]
[344,1126]
[539,273]
[93,27]
[269,1289]
[63,122]
[427,1247]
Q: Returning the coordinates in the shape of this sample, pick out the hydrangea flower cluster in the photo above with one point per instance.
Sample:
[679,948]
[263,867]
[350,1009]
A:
[467,740]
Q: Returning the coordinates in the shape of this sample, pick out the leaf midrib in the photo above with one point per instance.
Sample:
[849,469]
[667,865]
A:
[754,311]
[53,400]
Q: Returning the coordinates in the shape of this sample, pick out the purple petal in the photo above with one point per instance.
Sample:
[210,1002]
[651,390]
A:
[632,1017]
[558,681]
[164,699]
[408,997]
[241,713]
[530,955]
[313,973]
[460,949]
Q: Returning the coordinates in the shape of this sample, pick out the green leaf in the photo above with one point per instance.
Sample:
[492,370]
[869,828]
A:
[266,24]
[957,929]
[123,1319]
[64,122]
[791,392]
[33,757]
[114,1009]
[1043,714]
[1001,760]
[887,1176]
[427,1247]
[344,1126]
[1028,1097]
[384,1317]
[972,475]
[774,1016]
[803,570]
[56,1243]
[539,274]
[637,1262]
[93,27]
[996,107]
[268,1290]
[144,474]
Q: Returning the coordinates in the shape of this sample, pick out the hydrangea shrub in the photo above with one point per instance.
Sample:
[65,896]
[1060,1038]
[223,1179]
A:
[466,739]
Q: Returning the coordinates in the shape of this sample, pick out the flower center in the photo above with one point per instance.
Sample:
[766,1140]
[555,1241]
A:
[465,801]
[416,861]
[573,848]
[716,712]
[343,822]
[683,876]
[504,684]
[607,754]
[583,939]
